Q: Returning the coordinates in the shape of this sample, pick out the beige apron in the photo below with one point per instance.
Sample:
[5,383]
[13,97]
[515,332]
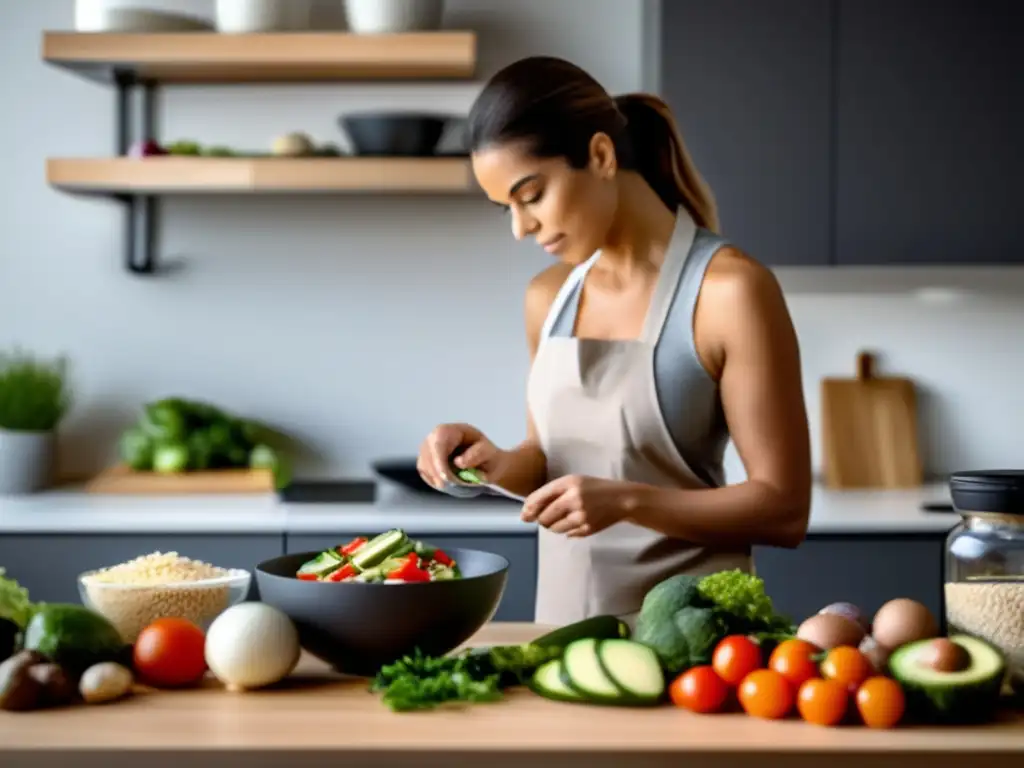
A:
[596,409]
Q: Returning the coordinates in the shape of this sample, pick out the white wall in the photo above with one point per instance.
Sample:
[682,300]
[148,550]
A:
[358,323]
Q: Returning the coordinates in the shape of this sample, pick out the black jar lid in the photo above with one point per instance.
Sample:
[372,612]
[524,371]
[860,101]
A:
[998,491]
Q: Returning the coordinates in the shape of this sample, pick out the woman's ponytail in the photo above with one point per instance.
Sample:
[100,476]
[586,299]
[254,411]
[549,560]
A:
[660,156]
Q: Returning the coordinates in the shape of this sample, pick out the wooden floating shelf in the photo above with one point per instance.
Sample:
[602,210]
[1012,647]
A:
[202,175]
[206,57]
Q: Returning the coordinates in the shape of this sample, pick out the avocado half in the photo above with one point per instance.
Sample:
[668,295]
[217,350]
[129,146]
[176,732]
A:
[970,695]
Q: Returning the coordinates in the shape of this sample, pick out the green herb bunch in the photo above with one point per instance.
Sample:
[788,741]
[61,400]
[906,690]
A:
[34,394]
[419,682]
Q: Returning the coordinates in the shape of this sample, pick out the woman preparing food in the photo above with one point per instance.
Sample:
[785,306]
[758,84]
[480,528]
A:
[653,340]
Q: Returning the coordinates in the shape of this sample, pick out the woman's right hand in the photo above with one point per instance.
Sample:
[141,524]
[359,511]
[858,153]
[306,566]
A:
[476,452]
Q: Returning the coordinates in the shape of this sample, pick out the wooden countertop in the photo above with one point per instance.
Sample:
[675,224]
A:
[326,717]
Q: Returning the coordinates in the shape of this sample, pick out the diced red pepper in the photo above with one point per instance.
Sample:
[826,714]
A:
[342,573]
[307,576]
[410,570]
[442,558]
[353,545]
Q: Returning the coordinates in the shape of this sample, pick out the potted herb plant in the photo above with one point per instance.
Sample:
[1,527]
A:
[34,399]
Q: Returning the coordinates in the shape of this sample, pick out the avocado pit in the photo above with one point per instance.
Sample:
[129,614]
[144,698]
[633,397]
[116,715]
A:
[943,655]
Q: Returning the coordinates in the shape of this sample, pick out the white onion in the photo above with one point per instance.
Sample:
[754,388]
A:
[252,645]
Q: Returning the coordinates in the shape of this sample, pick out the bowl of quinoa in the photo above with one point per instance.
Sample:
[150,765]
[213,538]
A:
[134,594]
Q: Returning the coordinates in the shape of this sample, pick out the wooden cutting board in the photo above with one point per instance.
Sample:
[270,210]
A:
[869,430]
[121,479]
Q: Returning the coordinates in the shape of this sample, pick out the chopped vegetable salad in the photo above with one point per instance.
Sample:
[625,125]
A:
[391,557]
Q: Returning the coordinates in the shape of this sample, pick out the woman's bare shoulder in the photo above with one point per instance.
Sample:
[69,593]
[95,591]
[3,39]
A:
[733,276]
[740,303]
[540,295]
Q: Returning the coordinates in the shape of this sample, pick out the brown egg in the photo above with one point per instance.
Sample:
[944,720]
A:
[903,621]
[829,630]
[943,655]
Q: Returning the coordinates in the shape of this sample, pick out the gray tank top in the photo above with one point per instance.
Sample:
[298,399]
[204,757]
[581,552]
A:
[688,397]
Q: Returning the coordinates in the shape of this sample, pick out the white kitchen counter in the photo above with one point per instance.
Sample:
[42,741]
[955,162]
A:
[69,511]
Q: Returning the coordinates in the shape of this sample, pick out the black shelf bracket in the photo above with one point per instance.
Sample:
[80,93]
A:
[136,121]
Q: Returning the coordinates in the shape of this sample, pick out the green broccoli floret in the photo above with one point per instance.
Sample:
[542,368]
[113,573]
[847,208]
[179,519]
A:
[684,617]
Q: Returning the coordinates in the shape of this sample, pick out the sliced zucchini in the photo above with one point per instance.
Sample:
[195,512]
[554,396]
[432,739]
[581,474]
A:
[547,682]
[583,673]
[595,626]
[634,668]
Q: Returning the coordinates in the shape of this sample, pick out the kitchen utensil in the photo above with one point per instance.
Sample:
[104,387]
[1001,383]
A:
[388,134]
[358,626]
[478,488]
[124,480]
[869,430]
[370,17]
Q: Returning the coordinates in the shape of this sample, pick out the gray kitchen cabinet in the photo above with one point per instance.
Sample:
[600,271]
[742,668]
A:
[49,565]
[520,550]
[750,85]
[930,99]
[864,570]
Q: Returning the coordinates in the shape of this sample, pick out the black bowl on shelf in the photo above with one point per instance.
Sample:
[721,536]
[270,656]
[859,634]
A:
[395,134]
[358,627]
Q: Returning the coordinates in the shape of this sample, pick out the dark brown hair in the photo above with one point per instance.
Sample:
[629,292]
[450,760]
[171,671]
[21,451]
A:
[555,108]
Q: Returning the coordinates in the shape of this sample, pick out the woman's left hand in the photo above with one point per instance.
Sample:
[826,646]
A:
[577,505]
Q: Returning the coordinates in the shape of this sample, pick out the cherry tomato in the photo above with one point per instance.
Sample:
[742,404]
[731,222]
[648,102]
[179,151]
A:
[765,693]
[847,665]
[170,653]
[822,702]
[880,702]
[735,657]
[699,689]
[794,660]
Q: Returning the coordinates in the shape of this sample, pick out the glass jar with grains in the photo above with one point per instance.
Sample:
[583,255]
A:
[984,589]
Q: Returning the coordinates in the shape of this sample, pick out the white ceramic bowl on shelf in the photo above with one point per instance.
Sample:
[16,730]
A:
[374,17]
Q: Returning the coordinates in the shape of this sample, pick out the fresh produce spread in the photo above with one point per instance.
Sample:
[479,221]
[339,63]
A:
[706,644]
[390,558]
[59,655]
[715,644]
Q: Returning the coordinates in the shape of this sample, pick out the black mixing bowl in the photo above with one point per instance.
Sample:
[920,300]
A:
[358,627]
[386,134]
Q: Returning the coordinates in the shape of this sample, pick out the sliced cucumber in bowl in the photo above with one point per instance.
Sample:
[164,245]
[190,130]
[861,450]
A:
[613,672]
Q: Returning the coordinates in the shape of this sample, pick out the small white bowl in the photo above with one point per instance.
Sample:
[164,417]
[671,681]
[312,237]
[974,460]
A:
[133,607]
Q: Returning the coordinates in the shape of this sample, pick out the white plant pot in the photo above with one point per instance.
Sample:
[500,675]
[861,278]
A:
[248,16]
[26,461]
[374,17]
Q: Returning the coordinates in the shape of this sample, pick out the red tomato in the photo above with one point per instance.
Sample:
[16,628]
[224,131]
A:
[735,657]
[822,702]
[881,702]
[765,693]
[699,689]
[847,665]
[794,660]
[170,653]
